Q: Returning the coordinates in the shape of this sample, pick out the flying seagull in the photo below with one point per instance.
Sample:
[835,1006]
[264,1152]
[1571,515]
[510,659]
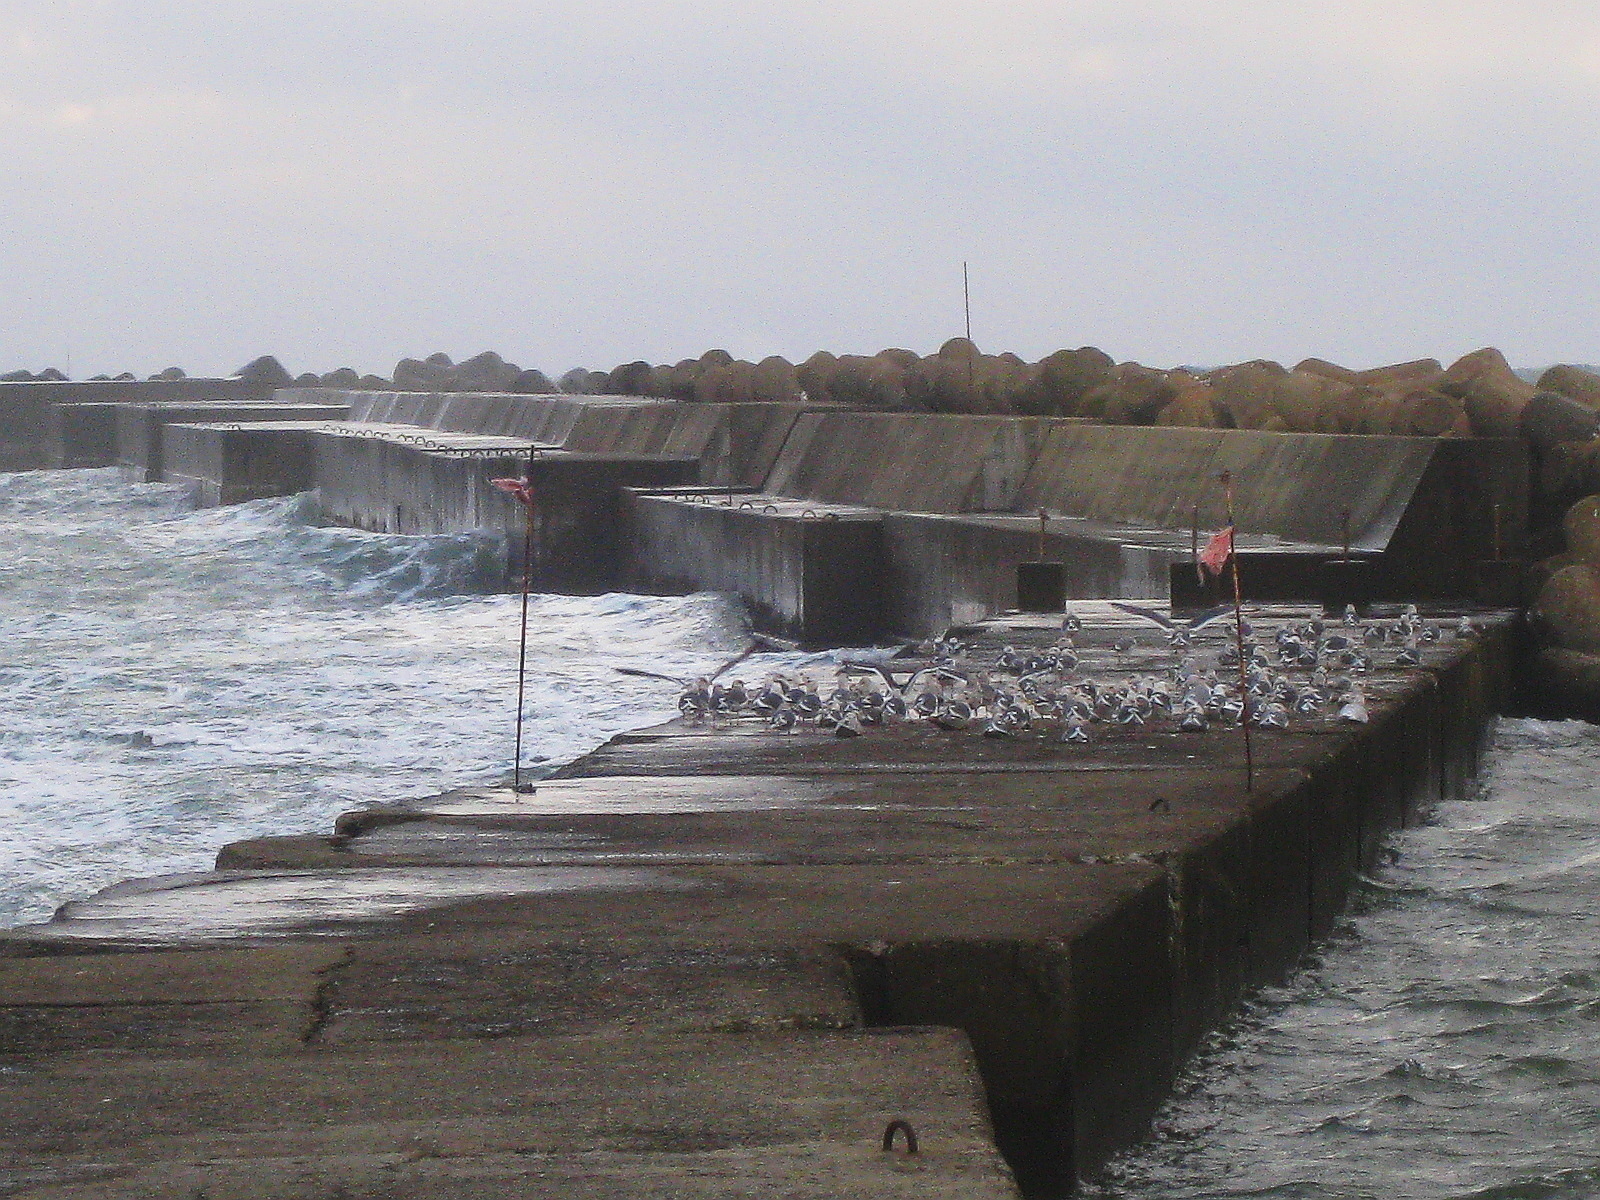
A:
[641,673]
[1178,634]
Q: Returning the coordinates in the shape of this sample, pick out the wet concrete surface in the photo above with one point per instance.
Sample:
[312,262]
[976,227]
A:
[228,905]
[741,918]
[700,1115]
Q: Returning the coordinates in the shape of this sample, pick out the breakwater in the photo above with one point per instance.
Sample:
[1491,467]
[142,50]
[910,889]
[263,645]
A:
[805,511]
[708,918]
[714,898]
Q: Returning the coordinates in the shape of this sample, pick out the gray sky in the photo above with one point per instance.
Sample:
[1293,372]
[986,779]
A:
[346,183]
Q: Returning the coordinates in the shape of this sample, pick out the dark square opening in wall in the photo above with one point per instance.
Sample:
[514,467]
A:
[1041,586]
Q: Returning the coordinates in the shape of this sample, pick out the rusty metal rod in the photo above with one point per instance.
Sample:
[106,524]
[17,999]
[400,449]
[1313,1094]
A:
[522,641]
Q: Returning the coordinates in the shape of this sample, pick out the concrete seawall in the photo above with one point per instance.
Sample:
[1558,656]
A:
[952,497]
[141,429]
[960,495]
[807,571]
[29,424]
[735,444]
[724,908]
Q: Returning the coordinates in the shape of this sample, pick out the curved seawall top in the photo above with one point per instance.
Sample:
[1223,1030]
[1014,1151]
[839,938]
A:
[736,443]
[909,462]
[1293,485]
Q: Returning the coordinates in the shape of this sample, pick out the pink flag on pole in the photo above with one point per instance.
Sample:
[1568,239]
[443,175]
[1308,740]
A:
[520,488]
[1218,550]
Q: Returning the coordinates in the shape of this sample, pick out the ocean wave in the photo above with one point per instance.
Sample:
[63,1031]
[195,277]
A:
[176,679]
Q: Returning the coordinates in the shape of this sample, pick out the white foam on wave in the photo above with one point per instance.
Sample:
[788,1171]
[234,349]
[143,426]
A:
[173,680]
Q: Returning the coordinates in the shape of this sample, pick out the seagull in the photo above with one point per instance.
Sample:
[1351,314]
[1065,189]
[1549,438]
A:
[1178,634]
[953,715]
[1353,707]
[695,702]
[1000,726]
[738,658]
[731,699]
[771,698]
[1271,715]
[809,703]
[870,708]
[1074,734]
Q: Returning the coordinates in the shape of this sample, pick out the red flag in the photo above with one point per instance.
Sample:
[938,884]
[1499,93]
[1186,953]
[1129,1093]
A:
[1218,550]
[520,488]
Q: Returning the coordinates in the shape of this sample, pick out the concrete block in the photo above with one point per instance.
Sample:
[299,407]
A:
[81,436]
[141,427]
[238,462]
[945,571]
[438,482]
[1294,486]
[581,537]
[27,424]
[809,572]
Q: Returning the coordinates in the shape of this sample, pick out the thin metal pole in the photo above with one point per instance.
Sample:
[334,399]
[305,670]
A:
[1344,529]
[522,642]
[967,300]
[1238,633]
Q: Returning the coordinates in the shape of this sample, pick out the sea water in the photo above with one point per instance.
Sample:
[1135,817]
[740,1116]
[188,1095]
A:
[1446,1041]
[172,679]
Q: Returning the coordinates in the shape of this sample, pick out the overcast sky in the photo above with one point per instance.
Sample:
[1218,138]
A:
[196,183]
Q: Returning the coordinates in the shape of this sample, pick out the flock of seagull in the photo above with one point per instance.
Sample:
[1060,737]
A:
[1305,672]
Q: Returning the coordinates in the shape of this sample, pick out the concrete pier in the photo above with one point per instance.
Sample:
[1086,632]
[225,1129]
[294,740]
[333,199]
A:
[929,516]
[711,958]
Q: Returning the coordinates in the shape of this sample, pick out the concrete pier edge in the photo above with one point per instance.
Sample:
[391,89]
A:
[1083,963]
